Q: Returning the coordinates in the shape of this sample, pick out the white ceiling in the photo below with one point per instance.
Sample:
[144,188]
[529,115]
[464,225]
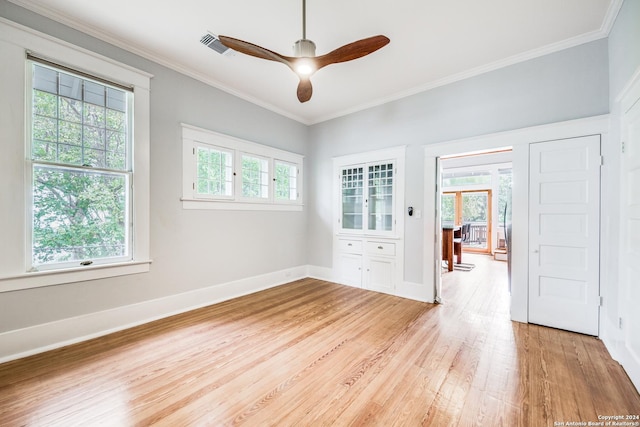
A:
[433,42]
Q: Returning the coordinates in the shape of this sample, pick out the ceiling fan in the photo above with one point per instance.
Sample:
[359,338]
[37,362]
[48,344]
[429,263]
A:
[304,61]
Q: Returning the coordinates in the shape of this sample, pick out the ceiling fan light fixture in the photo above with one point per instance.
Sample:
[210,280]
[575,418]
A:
[304,67]
[304,61]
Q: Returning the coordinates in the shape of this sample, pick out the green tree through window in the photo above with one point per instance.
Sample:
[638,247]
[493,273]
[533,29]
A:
[80,149]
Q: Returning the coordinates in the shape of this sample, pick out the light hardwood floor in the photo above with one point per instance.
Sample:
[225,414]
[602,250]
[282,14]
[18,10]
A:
[317,353]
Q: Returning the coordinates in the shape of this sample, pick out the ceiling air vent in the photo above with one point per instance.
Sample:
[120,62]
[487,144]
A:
[214,43]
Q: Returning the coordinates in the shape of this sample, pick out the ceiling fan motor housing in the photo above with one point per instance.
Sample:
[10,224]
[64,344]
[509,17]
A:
[304,48]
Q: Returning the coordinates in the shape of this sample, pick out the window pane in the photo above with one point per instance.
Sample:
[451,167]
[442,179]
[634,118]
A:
[70,86]
[45,79]
[94,93]
[214,172]
[78,215]
[255,177]
[286,181]
[380,200]
[447,213]
[352,198]
[454,179]
[69,111]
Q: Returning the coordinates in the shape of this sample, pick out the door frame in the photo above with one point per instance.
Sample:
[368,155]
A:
[519,140]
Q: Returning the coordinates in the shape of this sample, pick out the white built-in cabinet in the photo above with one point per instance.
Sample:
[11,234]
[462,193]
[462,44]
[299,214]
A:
[368,220]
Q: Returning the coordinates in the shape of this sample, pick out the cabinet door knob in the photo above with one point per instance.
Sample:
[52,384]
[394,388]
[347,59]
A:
[380,247]
[349,244]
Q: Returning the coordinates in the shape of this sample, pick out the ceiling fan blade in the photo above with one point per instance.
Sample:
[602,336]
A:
[352,51]
[305,90]
[254,50]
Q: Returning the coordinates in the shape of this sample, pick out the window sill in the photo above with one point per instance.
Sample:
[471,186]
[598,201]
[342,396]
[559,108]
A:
[233,205]
[39,279]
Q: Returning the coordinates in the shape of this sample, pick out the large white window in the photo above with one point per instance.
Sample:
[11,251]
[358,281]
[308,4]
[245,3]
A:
[74,168]
[222,172]
[80,148]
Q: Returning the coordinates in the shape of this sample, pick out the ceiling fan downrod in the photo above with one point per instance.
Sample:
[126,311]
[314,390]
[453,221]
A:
[304,48]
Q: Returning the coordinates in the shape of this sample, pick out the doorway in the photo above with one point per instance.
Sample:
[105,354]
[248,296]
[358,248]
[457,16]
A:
[475,199]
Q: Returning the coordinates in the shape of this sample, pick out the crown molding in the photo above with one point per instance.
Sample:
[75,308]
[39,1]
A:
[603,32]
[476,71]
[151,56]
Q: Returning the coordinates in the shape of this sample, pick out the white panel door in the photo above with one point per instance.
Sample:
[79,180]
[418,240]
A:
[564,234]
[630,239]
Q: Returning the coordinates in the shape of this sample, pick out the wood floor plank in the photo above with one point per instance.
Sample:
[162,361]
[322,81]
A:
[317,353]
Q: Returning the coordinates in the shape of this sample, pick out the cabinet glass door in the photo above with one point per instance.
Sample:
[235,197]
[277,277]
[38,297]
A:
[380,197]
[352,197]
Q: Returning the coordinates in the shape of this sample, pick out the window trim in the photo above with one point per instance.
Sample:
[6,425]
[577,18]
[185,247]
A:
[193,136]
[15,42]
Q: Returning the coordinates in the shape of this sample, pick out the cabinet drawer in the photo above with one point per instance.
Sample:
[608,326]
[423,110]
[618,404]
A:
[350,246]
[380,248]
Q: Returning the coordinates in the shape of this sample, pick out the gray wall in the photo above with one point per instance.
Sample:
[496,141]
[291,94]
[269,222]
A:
[193,249]
[569,84]
[190,249]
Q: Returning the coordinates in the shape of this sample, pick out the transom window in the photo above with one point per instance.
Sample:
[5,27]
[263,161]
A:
[81,171]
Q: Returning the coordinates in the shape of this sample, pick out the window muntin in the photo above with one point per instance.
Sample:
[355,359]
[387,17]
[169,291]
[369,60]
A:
[285,181]
[380,197]
[255,177]
[214,172]
[367,193]
[352,197]
[80,149]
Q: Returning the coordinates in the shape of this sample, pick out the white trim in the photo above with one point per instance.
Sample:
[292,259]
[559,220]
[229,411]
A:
[610,17]
[414,291]
[629,95]
[476,71]
[48,336]
[234,205]
[38,279]
[15,40]
[144,53]
[603,32]
[519,140]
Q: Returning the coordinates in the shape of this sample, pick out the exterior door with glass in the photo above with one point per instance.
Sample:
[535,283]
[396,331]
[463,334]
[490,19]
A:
[470,207]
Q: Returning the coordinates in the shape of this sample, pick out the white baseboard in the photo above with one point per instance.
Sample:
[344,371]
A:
[414,291]
[321,273]
[610,336]
[48,336]
[613,339]
[35,339]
